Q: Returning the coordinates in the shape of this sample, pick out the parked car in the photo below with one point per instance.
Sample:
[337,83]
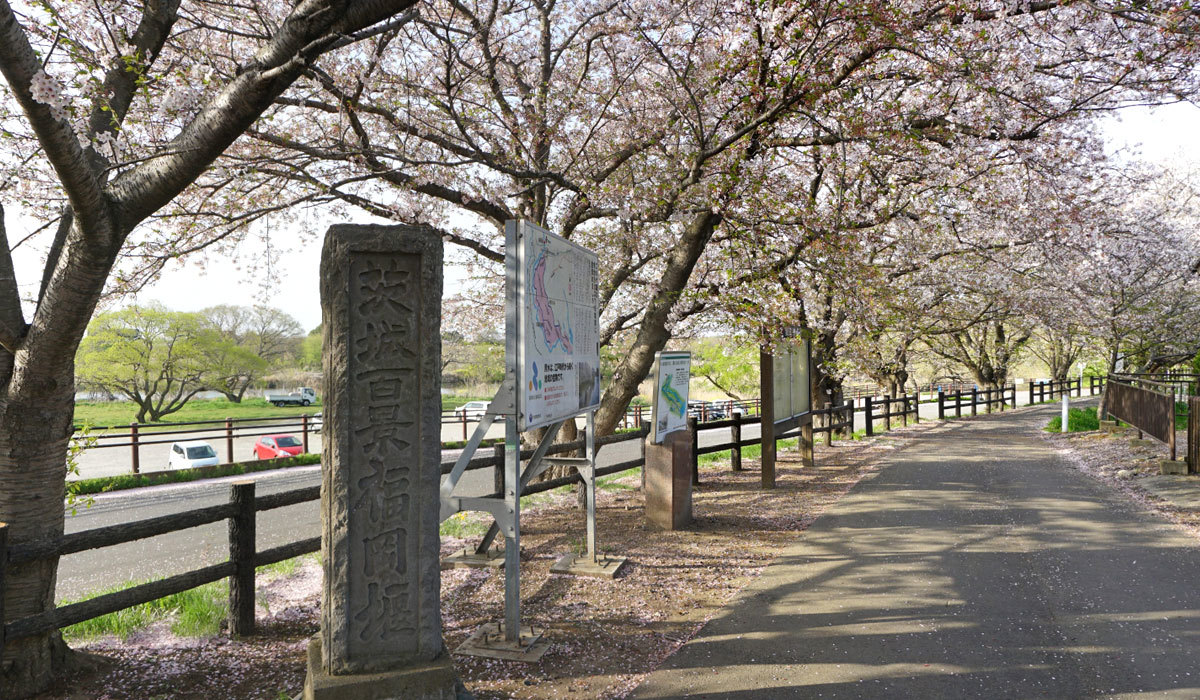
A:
[472,409]
[696,407]
[317,421]
[305,397]
[193,453]
[272,446]
[718,410]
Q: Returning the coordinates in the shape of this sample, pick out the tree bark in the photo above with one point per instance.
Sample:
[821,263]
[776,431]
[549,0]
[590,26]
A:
[654,332]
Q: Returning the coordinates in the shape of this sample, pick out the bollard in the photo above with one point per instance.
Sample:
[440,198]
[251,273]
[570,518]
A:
[1065,401]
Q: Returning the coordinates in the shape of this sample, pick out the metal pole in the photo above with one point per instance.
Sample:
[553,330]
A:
[512,538]
[590,484]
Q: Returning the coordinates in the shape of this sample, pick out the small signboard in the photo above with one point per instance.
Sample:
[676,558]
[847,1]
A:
[792,380]
[553,309]
[672,375]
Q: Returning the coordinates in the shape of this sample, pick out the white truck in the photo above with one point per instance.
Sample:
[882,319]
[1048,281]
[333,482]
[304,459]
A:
[305,397]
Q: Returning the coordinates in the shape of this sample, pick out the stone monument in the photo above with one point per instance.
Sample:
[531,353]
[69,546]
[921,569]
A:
[381,623]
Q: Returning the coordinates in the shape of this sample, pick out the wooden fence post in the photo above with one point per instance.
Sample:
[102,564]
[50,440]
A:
[241,554]
[735,452]
[974,400]
[1193,441]
[498,470]
[464,425]
[917,407]
[3,564]
[904,410]
[304,429]
[133,445]
[229,440]
[848,418]
[887,413]
[1030,392]
[958,397]
[694,431]
[867,405]
[829,421]
[941,404]
[806,443]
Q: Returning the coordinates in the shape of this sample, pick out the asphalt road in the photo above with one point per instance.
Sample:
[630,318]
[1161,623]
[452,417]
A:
[178,552]
[976,564]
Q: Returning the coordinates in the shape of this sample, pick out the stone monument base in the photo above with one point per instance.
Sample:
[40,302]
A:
[1109,426]
[668,489]
[1173,466]
[431,680]
[468,559]
[582,565]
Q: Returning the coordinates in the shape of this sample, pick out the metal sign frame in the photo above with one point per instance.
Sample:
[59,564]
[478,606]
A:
[518,644]
[518,310]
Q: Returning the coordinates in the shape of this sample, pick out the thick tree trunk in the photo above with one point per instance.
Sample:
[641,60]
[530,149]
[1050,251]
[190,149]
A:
[34,432]
[653,333]
[37,401]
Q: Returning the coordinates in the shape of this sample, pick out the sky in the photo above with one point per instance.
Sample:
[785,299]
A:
[1164,134]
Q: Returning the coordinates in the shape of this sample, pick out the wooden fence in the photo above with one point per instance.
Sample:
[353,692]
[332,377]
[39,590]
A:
[1040,392]
[1146,405]
[243,506]
[975,398]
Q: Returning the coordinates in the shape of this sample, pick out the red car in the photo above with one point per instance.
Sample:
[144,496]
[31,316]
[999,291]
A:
[272,446]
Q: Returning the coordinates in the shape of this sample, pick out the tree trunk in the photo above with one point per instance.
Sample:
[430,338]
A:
[37,401]
[34,432]
[653,333]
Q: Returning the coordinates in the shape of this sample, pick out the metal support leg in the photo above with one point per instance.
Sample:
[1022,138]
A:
[512,538]
[589,483]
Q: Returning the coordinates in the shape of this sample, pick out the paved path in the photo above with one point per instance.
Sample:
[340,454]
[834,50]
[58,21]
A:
[976,564]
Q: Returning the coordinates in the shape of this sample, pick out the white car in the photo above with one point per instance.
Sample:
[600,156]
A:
[473,409]
[194,453]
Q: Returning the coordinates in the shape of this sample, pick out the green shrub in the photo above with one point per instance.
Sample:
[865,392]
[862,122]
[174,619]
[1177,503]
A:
[1078,421]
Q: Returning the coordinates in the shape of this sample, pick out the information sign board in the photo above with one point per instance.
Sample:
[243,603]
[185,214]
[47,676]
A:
[672,374]
[793,381]
[554,295]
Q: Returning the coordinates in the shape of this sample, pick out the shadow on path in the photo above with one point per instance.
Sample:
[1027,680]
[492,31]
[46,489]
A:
[975,564]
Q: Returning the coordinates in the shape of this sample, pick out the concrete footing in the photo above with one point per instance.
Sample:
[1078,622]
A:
[1173,466]
[1109,426]
[469,559]
[431,680]
[488,641]
[582,565]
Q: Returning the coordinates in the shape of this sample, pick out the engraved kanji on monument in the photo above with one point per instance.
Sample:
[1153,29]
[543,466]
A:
[381,624]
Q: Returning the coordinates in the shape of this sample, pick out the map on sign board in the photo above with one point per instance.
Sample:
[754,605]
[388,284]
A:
[792,383]
[558,327]
[673,373]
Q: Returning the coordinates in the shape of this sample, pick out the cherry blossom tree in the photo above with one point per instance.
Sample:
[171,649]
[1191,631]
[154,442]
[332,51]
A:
[108,112]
